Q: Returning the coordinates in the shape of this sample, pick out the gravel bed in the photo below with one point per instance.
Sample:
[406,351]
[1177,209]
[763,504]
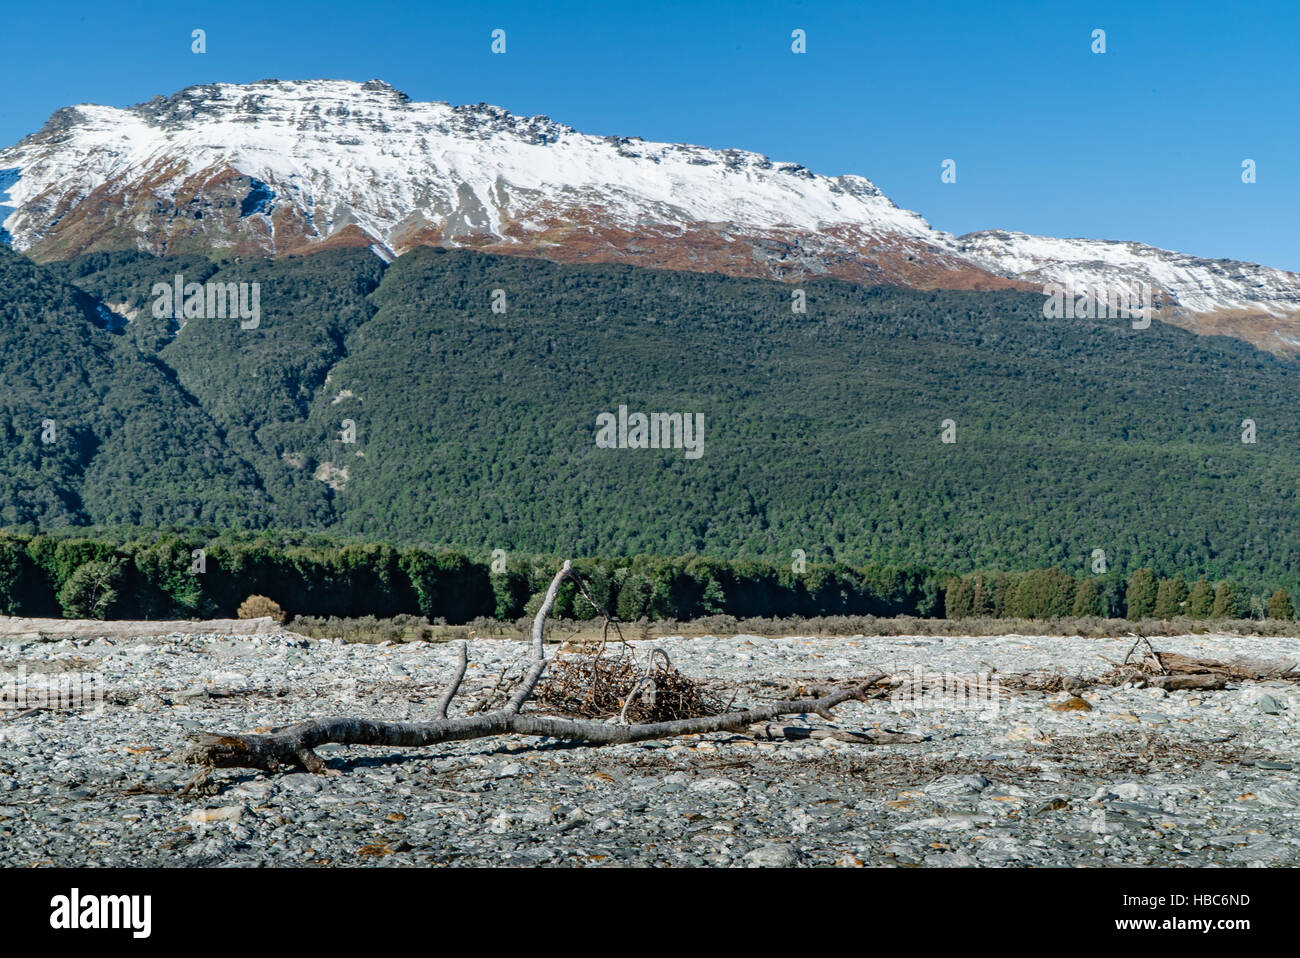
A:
[1143,777]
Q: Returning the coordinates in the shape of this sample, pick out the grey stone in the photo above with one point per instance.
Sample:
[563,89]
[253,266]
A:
[772,856]
[1268,705]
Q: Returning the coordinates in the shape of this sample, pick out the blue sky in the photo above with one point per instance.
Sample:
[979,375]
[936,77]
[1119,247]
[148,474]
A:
[1142,142]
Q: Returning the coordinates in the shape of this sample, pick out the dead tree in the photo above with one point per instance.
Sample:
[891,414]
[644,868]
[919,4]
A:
[293,745]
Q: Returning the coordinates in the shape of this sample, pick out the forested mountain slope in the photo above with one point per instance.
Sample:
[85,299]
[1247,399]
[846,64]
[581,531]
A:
[92,430]
[822,430]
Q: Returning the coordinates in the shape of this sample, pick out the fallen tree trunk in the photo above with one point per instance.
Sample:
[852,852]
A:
[293,745]
[1207,681]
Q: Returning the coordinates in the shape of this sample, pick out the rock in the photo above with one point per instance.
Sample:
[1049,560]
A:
[1099,824]
[1055,803]
[1278,796]
[948,823]
[957,785]
[1268,705]
[1130,791]
[206,816]
[537,815]
[1073,704]
[772,856]
[714,786]
[83,791]
[19,736]
[800,821]
[1022,733]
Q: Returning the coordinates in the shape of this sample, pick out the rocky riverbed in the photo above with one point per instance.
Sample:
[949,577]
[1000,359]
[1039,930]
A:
[1139,776]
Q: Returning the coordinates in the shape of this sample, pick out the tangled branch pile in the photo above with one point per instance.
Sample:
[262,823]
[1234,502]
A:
[593,684]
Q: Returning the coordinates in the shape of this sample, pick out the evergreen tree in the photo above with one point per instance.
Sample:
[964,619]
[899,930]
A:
[1200,601]
[1045,594]
[959,598]
[1280,607]
[1170,597]
[11,568]
[1142,590]
[984,602]
[1227,602]
[1088,600]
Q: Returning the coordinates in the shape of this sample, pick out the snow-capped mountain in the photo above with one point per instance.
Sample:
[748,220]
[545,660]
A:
[1252,302]
[286,167]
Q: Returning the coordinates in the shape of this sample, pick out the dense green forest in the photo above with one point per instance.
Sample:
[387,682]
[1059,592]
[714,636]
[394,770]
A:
[93,429]
[475,429]
[121,574]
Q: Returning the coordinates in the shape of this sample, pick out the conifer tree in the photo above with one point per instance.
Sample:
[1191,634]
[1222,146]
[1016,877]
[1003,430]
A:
[1280,606]
[1088,600]
[1141,595]
[1227,604]
[1170,596]
[1200,601]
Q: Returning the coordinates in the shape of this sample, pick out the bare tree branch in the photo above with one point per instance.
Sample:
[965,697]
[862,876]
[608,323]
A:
[539,650]
[293,745]
[445,702]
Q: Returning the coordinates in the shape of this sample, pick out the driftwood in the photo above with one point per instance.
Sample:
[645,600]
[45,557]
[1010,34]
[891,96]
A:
[795,733]
[1172,671]
[293,746]
[1150,667]
[1201,680]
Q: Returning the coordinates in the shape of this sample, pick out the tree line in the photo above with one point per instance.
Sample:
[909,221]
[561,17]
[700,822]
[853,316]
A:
[183,576]
[1054,594]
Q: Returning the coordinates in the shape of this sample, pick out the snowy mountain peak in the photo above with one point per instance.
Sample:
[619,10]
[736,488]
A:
[290,166]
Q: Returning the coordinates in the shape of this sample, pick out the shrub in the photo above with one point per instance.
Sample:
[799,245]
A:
[366,629]
[257,606]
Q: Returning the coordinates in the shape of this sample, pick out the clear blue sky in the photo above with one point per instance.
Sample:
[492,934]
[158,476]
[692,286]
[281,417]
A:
[1143,142]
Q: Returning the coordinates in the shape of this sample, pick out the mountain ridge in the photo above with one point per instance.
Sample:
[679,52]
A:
[276,168]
